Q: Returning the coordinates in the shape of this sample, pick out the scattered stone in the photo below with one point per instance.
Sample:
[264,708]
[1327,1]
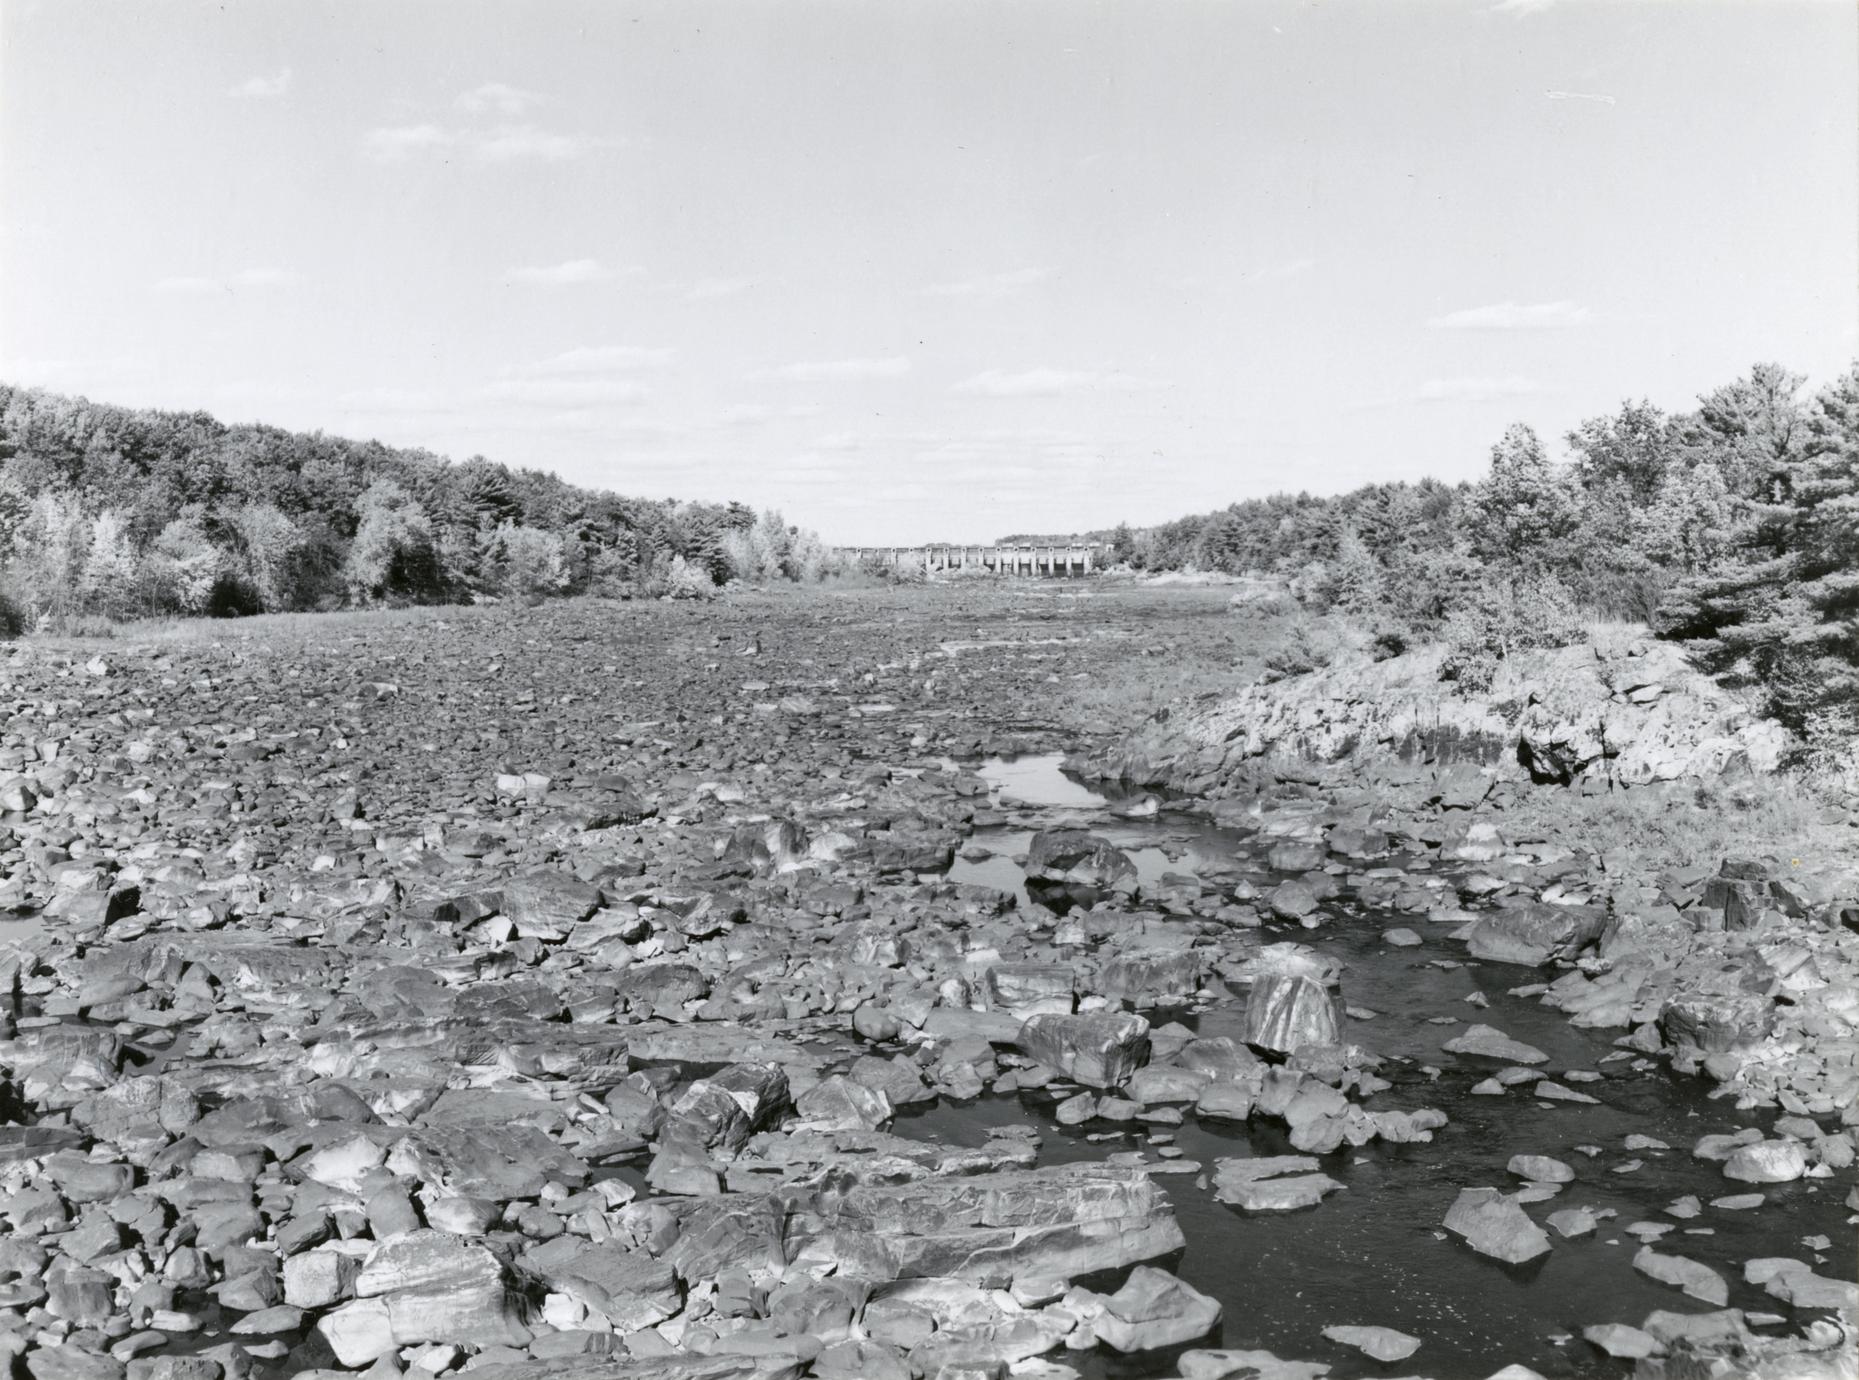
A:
[1697,1280]
[1275,1184]
[1494,1225]
[1485,1042]
[1620,1340]
[1378,1343]
[1767,1162]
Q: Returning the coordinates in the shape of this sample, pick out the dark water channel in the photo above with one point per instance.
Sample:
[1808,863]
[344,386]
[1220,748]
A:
[1374,1254]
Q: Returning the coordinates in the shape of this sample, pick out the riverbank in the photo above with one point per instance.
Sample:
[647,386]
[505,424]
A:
[739,991]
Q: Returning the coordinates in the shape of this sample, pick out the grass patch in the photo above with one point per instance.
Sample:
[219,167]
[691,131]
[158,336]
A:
[1698,824]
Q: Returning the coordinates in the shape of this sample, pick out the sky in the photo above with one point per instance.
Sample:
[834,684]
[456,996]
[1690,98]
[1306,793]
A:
[929,269]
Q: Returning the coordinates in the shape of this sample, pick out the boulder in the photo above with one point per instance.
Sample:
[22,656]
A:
[1377,1343]
[1767,1162]
[1293,999]
[437,1287]
[839,1103]
[1153,1309]
[1067,867]
[1488,1042]
[1493,1224]
[1054,1223]
[1532,933]
[1031,989]
[1275,1184]
[1100,1050]
[1681,1272]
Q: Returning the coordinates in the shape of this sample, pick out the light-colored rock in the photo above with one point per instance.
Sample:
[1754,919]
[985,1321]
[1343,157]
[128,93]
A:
[1541,1169]
[1293,999]
[1618,1339]
[1681,1272]
[1154,1309]
[1380,1343]
[1275,1184]
[1767,1162]
[1487,1042]
[1493,1224]
[1100,1050]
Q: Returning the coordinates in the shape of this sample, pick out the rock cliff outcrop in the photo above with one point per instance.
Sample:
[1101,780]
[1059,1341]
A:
[1619,708]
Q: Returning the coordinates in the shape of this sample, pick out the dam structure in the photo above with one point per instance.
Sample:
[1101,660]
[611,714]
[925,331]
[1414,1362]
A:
[1072,559]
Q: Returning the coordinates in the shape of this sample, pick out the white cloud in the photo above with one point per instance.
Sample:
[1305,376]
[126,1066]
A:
[509,142]
[396,143]
[1521,8]
[602,359]
[395,400]
[745,414]
[501,144]
[1579,96]
[991,285]
[245,279]
[1052,383]
[263,88]
[1282,272]
[572,273]
[564,392]
[1513,316]
[499,98]
[843,370]
[1474,390]
[709,289]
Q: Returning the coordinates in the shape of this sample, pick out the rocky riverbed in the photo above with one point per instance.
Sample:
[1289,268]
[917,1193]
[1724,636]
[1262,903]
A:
[742,991]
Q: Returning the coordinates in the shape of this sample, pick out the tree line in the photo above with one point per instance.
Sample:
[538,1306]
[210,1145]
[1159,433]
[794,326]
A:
[118,512]
[1733,527]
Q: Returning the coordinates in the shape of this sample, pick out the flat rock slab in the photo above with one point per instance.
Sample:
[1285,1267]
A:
[1053,1223]
[1154,1309]
[1100,1050]
[685,1367]
[1767,1162]
[1681,1272]
[1276,1184]
[1246,1365]
[1618,1339]
[1381,1343]
[1541,1169]
[1488,1042]
[1493,1224]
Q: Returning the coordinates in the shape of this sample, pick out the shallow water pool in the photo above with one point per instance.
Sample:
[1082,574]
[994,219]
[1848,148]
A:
[1374,1254]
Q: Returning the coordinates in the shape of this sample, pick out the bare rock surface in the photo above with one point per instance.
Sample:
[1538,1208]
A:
[595,990]
[1494,1225]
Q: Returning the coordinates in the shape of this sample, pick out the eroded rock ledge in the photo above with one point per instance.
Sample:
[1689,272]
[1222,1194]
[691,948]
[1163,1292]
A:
[1618,708]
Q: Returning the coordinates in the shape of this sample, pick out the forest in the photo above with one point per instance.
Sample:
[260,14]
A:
[112,512]
[1733,527]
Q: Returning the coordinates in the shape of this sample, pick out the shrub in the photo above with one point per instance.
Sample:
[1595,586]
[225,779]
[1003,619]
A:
[684,580]
[1508,616]
[50,548]
[110,584]
[183,568]
[524,562]
[1388,639]
[267,545]
[1306,650]
[393,556]
[1831,754]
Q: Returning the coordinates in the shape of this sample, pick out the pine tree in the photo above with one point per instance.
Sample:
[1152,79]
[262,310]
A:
[1521,513]
[1781,611]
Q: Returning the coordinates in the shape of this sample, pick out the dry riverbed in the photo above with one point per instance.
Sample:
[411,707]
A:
[742,992]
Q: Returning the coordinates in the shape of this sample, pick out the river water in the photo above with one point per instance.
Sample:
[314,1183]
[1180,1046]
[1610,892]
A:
[1374,1254]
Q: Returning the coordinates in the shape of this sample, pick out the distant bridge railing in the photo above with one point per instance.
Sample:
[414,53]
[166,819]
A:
[1081,558]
